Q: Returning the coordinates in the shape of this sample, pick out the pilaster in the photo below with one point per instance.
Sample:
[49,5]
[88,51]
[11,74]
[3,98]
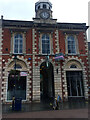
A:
[36,72]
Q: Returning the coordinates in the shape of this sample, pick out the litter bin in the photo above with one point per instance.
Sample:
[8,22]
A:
[18,104]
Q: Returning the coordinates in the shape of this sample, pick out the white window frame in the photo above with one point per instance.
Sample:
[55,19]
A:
[46,43]
[12,42]
[18,44]
[76,45]
[40,40]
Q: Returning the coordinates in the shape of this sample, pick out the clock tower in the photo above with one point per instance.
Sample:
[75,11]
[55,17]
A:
[43,12]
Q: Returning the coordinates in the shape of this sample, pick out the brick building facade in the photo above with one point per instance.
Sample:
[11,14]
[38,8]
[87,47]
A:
[52,57]
[0,58]
[89,65]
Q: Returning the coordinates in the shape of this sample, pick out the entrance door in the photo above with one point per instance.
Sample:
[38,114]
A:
[46,81]
[16,87]
[75,84]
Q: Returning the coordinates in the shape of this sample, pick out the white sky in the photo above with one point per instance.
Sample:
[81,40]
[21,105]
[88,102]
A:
[72,11]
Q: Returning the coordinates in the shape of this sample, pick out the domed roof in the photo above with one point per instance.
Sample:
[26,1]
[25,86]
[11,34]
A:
[43,1]
[40,1]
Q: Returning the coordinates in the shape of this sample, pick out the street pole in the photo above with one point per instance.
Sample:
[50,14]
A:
[61,78]
[15,58]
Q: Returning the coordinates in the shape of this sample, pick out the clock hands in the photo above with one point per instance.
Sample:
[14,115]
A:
[45,15]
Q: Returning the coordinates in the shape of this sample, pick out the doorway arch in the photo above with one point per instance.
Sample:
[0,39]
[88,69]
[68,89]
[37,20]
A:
[17,80]
[74,77]
[46,82]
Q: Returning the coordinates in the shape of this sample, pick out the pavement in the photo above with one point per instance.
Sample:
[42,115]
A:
[74,113]
[78,109]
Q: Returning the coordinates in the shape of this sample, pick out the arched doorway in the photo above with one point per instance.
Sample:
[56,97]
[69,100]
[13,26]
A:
[74,76]
[17,80]
[46,82]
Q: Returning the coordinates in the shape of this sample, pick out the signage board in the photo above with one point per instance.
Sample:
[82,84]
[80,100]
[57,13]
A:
[23,74]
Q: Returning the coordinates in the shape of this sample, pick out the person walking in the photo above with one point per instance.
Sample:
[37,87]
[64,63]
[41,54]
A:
[58,101]
[55,104]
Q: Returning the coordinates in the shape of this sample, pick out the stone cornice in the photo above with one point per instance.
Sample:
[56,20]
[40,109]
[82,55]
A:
[28,24]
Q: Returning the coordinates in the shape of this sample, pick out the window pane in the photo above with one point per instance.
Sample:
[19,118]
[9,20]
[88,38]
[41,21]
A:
[44,6]
[16,51]
[20,51]
[73,66]
[71,44]
[18,43]
[45,44]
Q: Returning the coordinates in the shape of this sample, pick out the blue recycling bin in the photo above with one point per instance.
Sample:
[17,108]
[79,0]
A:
[18,104]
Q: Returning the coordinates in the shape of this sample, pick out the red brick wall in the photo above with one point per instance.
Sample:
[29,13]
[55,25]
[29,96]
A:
[81,43]
[29,41]
[6,41]
[62,41]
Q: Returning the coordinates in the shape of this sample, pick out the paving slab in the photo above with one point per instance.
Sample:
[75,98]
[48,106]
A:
[75,113]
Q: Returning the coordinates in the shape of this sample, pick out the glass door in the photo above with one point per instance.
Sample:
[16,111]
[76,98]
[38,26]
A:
[16,87]
[75,83]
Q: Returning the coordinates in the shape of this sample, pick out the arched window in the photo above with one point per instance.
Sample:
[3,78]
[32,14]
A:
[18,66]
[71,44]
[73,66]
[18,44]
[45,44]
[39,7]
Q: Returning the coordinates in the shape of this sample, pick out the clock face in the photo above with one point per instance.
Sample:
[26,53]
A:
[44,15]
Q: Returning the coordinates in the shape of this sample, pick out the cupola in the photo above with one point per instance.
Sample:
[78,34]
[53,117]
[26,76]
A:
[43,4]
[43,12]
[43,9]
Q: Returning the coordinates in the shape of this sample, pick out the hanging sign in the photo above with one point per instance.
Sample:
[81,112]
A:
[59,57]
[23,74]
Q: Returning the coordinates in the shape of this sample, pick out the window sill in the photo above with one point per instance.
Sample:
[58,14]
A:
[46,54]
[72,54]
[18,53]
